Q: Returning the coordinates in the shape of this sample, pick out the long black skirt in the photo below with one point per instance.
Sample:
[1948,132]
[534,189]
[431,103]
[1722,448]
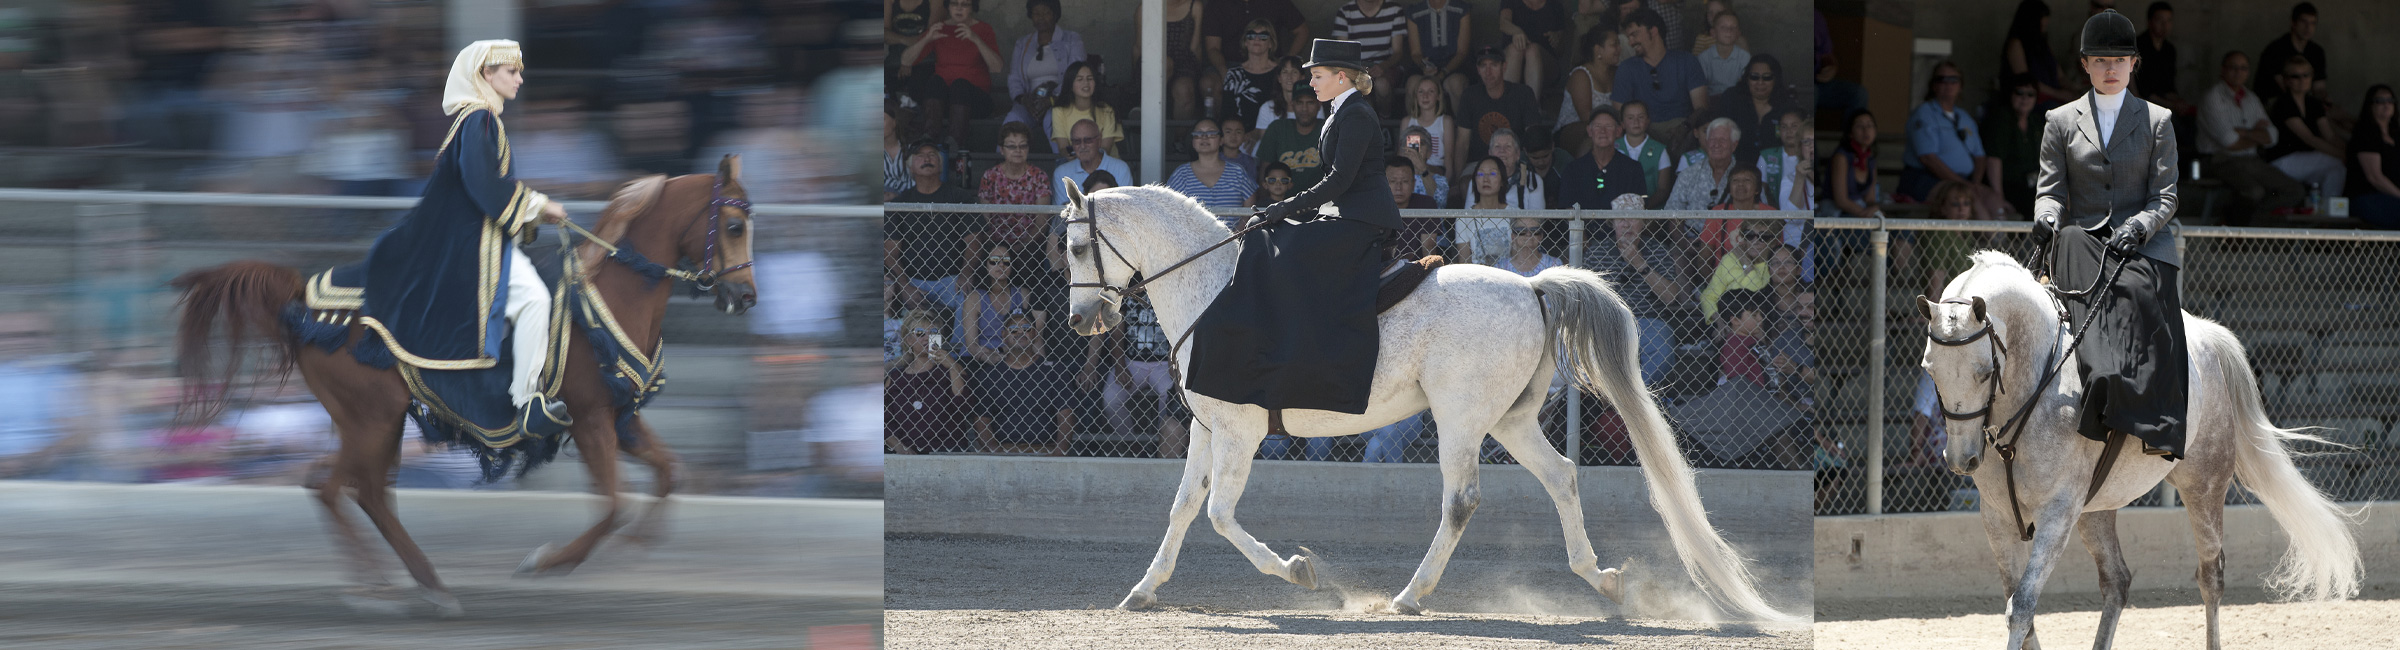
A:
[2133,362]
[1296,328]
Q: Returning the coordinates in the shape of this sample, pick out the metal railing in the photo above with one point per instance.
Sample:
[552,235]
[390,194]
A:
[1764,422]
[93,264]
[2317,310]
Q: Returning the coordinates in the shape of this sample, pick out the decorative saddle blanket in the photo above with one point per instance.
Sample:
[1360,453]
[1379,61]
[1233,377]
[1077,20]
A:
[472,407]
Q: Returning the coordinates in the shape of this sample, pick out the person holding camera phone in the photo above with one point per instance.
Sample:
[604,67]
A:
[1038,65]
[1424,165]
[964,51]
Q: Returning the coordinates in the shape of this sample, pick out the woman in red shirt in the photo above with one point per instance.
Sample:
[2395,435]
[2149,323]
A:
[965,52]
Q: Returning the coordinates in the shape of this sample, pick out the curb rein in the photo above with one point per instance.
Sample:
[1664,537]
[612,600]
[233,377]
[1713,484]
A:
[705,279]
[2003,438]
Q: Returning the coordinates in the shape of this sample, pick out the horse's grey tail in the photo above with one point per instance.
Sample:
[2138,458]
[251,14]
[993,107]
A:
[2322,561]
[1601,342]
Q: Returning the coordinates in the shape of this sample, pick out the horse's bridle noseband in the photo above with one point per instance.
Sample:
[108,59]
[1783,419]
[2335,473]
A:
[1982,331]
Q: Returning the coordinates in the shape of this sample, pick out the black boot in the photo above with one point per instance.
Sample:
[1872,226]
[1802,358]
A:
[544,417]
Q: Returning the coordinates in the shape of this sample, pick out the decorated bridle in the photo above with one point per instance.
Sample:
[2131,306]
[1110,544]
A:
[706,278]
[1091,219]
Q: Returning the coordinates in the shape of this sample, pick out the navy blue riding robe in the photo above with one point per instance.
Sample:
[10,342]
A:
[437,281]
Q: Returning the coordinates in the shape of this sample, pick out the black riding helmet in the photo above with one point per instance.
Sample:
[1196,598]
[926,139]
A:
[2108,33]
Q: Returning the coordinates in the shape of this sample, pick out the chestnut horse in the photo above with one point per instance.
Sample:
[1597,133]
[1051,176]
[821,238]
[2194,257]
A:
[660,218]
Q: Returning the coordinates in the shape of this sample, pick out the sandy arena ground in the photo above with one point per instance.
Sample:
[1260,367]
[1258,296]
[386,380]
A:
[2156,619]
[994,592]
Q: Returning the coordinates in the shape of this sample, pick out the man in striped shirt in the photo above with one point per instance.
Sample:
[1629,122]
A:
[1379,28]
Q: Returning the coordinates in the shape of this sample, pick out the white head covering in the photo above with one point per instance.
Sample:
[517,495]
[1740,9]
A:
[466,88]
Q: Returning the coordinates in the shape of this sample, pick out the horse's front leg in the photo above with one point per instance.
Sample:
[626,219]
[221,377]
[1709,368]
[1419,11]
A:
[1188,497]
[1229,468]
[595,437]
[2116,580]
[2054,521]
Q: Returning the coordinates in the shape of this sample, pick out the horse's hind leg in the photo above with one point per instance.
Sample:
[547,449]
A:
[1189,494]
[367,471]
[1459,443]
[650,528]
[365,567]
[2099,531]
[2204,504]
[596,438]
[1229,469]
[1521,433]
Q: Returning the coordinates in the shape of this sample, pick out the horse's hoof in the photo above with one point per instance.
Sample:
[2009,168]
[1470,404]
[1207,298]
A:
[532,566]
[376,600]
[444,604]
[1304,573]
[1612,585]
[1137,600]
[1409,608]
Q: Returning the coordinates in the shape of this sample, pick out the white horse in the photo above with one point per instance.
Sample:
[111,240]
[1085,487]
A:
[1473,343]
[1996,323]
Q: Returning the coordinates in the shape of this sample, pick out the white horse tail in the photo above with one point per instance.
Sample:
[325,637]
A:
[2322,561]
[1599,337]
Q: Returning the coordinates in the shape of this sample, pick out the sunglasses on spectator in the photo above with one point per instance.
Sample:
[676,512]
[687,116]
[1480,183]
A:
[1654,85]
[1762,77]
[1536,230]
[1258,36]
[1087,140]
[1207,134]
[919,332]
[998,261]
[1278,181]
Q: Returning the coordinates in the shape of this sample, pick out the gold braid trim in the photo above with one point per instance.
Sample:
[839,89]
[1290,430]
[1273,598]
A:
[323,295]
[409,359]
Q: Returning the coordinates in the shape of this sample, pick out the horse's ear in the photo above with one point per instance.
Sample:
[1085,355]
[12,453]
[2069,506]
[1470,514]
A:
[1979,309]
[1925,306]
[1074,192]
[729,169]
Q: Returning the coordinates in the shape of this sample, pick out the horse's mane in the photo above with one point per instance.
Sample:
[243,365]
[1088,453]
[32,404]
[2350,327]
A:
[630,201]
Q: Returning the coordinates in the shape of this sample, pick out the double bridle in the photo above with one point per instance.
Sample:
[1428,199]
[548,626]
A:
[705,279]
[1112,294]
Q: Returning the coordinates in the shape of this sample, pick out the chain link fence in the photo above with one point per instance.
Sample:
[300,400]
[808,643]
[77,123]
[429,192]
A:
[2317,310]
[982,361]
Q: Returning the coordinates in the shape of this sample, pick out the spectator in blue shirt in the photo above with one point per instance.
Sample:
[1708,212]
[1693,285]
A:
[1670,82]
[1944,143]
[1209,178]
[1088,158]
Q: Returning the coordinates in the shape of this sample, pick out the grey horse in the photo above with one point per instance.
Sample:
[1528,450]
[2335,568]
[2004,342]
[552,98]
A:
[1993,334]
[1475,344]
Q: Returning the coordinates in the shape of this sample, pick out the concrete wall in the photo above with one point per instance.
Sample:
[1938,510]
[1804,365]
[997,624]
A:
[2355,34]
[1126,500]
[1946,555]
[1780,27]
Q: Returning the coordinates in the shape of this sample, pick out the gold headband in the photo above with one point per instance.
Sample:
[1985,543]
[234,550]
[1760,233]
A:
[505,55]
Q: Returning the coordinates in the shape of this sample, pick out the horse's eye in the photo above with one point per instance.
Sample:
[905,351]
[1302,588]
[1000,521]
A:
[738,228]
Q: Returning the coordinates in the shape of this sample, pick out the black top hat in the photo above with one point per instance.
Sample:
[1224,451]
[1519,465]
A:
[2108,33]
[1340,54]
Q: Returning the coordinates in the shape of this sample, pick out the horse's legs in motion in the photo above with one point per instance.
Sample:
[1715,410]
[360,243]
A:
[1521,433]
[1229,470]
[1188,497]
[650,528]
[2055,520]
[595,432]
[368,470]
[1461,439]
[2204,504]
[2099,530]
[366,567]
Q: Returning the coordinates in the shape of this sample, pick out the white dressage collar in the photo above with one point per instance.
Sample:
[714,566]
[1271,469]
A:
[1337,101]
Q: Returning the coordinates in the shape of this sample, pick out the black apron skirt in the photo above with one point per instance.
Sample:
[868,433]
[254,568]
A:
[2133,360]
[1296,328]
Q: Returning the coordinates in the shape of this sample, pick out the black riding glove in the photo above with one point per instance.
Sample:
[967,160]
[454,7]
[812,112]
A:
[2043,231]
[2128,239]
[1273,215]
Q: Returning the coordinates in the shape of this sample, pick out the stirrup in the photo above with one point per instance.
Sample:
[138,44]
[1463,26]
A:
[544,417]
[2154,451]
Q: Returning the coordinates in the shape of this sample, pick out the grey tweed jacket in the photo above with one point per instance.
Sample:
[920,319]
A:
[2098,188]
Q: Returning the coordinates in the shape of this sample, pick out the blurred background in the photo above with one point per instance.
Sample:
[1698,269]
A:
[107,104]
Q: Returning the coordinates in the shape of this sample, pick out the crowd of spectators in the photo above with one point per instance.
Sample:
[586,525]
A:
[343,97]
[2267,130]
[1658,104]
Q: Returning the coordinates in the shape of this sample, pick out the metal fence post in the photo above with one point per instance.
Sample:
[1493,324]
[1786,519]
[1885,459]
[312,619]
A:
[1575,394]
[1880,240]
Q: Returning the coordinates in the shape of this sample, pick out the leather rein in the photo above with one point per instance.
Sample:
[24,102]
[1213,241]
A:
[2003,438]
[706,278]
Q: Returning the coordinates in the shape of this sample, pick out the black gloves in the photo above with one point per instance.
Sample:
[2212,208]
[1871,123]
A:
[2043,232]
[1272,215]
[2128,239]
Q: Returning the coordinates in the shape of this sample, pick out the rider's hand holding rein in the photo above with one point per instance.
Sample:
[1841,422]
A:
[554,213]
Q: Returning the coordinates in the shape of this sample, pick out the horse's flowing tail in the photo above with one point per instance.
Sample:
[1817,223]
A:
[250,295]
[2321,562]
[1598,334]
